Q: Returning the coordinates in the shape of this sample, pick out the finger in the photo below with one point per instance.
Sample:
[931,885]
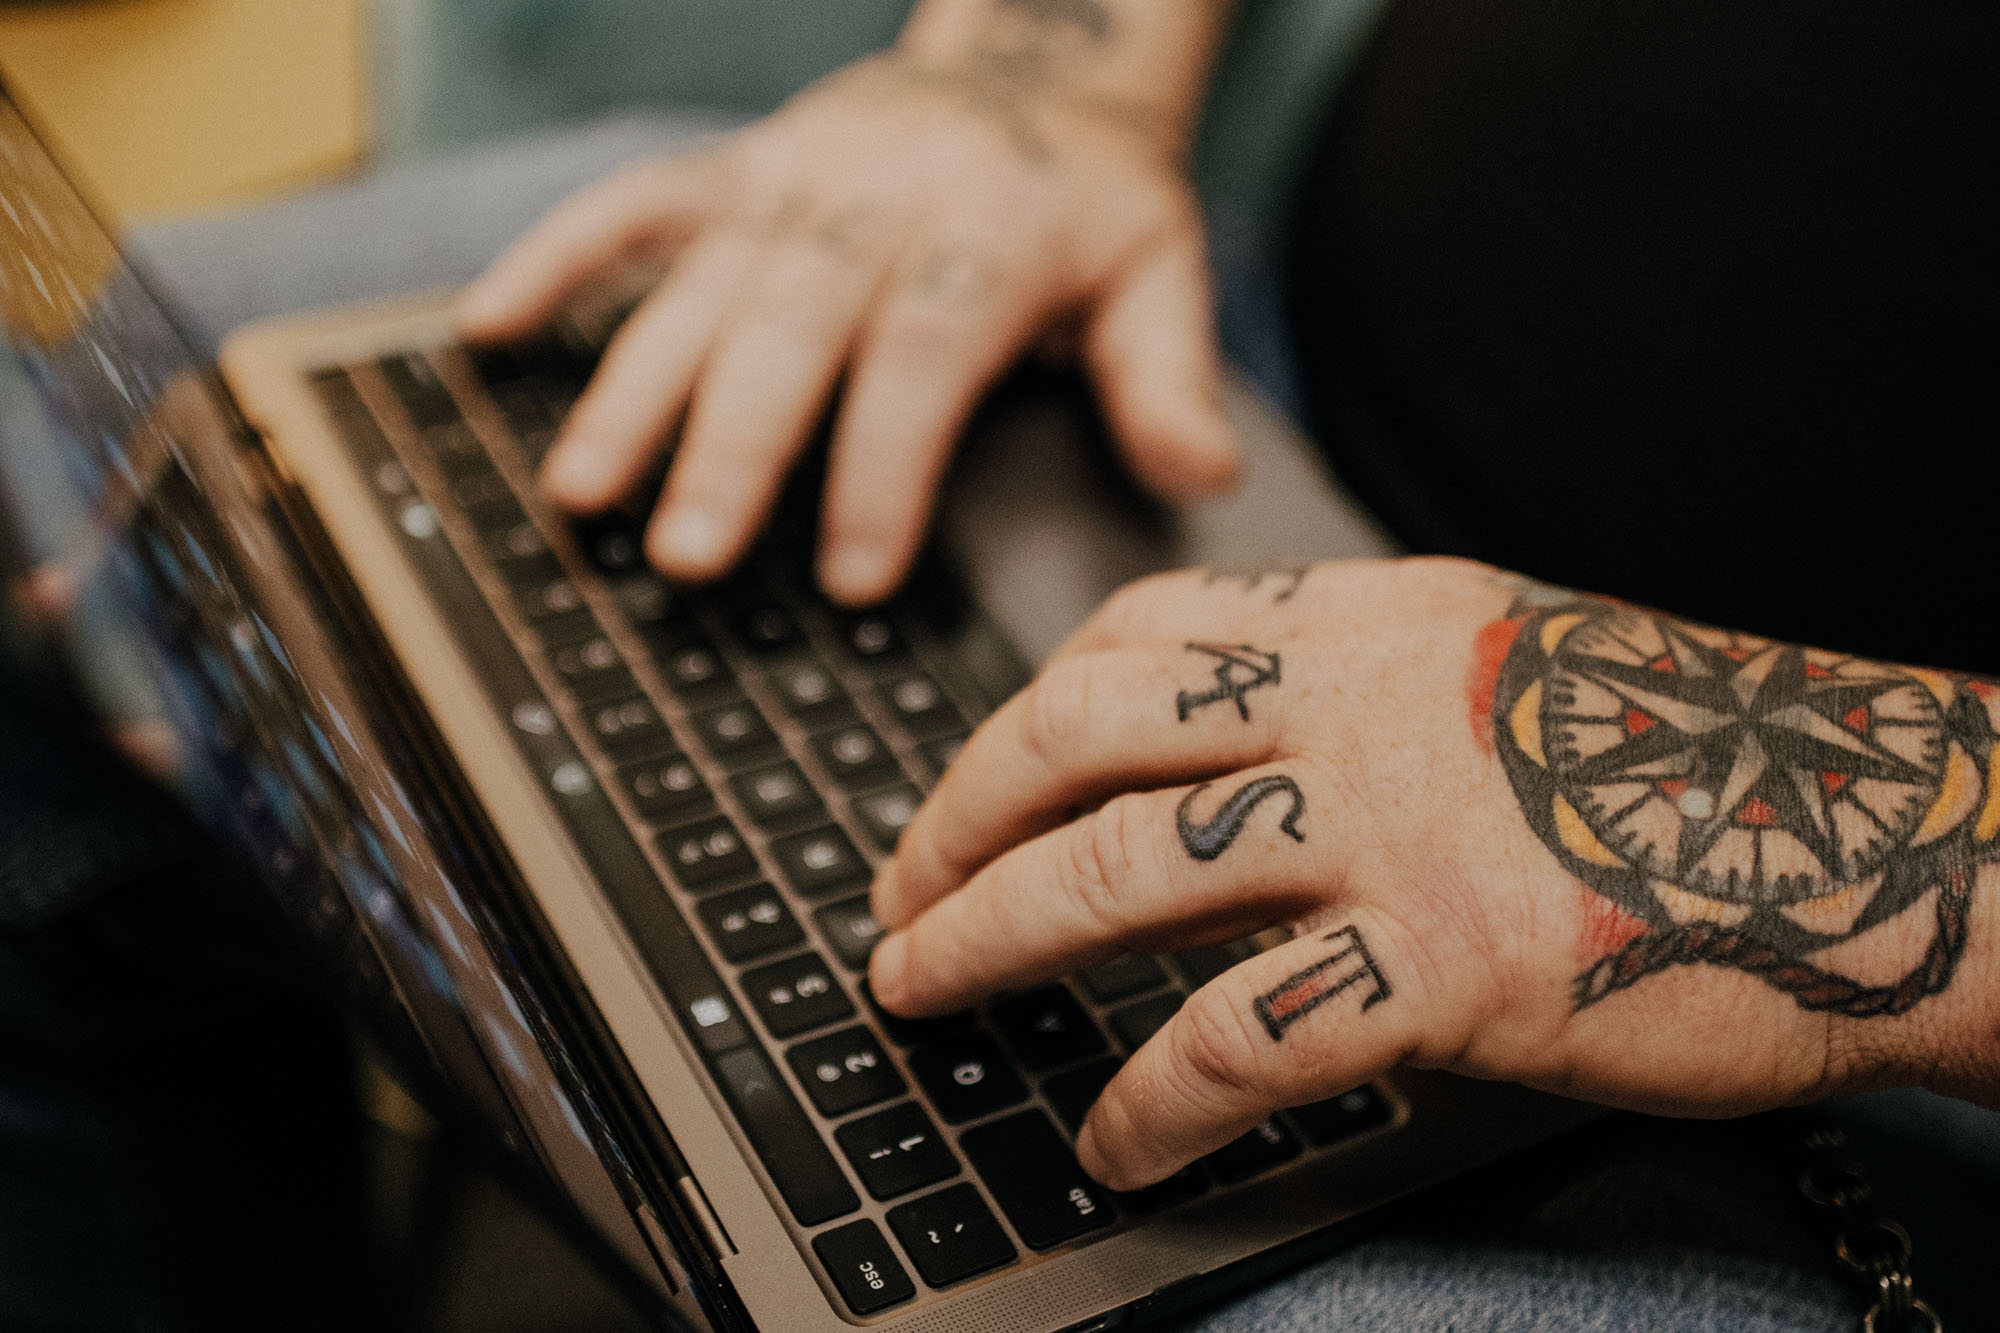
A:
[1309,1019]
[765,386]
[954,318]
[1153,354]
[648,206]
[1145,871]
[1177,607]
[1090,725]
[626,415]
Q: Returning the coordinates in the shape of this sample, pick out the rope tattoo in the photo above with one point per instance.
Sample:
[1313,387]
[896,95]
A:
[1744,803]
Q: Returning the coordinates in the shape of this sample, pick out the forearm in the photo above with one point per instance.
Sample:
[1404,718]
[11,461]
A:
[1146,62]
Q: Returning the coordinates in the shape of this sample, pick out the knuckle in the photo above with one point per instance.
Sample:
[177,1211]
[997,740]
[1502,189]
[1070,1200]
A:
[1057,704]
[1101,862]
[1212,1045]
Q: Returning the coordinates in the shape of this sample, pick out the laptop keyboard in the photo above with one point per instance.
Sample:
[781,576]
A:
[732,763]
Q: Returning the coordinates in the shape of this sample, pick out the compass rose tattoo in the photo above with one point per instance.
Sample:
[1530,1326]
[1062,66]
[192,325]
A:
[1239,669]
[1747,803]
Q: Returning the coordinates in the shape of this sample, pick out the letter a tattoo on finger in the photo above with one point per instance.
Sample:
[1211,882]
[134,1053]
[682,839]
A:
[1205,842]
[1239,669]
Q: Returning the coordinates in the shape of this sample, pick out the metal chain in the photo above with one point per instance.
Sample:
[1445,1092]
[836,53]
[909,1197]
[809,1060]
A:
[1874,1248]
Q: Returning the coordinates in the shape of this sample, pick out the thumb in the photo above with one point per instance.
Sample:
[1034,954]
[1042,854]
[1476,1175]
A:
[1152,351]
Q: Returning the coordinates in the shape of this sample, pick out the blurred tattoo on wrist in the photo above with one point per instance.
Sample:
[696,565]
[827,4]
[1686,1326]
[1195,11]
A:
[1239,669]
[1210,839]
[1280,581]
[1340,971]
[1744,803]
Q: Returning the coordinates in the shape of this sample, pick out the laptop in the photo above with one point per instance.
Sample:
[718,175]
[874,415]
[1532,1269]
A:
[593,850]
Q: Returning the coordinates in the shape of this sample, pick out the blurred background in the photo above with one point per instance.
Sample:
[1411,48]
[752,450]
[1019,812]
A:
[177,108]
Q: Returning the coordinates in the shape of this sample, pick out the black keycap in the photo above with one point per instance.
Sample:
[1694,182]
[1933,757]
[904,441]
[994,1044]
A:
[1205,964]
[845,1071]
[666,789]
[1340,1118]
[809,1180]
[777,796]
[750,923]
[896,1151]
[692,669]
[706,852]
[884,815]
[915,1031]
[941,752]
[967,1076]
[1046,1027]
[850,929]
[919,703]
[1075,1091]
[735,731]
[796,995]
[1034,1178]
[764,627]
[592,670]
[855,757]
[866,1271]
[810,693]
[457,451]
[649,606]
[820,861]
[416,385]
[521,540]
[629,728]
[541,602]
[1136,1023]
[612,543]
[528,573]
[950,1235]
[1130,974]
[873,638]
[1264,1147]
[487,500]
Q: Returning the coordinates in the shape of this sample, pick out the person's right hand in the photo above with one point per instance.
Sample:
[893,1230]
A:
[901,233]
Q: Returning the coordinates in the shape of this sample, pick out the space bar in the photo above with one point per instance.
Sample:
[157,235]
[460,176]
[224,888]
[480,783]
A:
[806,1175]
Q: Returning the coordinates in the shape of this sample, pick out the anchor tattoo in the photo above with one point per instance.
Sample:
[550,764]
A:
[1205,842]
[1238,670]
[1302,992]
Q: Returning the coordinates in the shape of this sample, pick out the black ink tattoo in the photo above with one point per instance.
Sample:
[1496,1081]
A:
[1238,670]
[1302,992]
[1284,579]
[1205,842]
[1743,803]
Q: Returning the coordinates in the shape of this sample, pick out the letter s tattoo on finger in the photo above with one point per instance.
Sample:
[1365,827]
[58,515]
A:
[1206,841]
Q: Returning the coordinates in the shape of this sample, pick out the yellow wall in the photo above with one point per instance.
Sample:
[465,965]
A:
[170,105]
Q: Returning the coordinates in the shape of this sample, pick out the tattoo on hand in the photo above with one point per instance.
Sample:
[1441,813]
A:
[1302,992]
[1206,841]
[1238,670]
[1745,803]
[1283,579]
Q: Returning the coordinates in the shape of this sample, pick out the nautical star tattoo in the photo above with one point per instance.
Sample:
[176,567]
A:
[1745,803]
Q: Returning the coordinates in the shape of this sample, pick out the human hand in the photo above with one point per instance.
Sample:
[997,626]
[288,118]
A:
[1521,834]
[903,230]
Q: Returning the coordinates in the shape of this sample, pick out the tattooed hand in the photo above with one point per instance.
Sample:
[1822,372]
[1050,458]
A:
[905,229]
[1519,833]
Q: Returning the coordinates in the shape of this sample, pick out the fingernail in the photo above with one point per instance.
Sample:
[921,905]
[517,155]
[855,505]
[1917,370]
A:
[689,537]
[854,570]
[1090,1158]
[477,305]
[885,969]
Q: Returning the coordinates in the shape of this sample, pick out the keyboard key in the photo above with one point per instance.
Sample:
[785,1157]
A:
[692,670]
[778,795]
[1205,964]
[735,731]
[810,693]
[796,995]
[919,703]
[629,728]
[486,499]
[1074,1092]
[707,852]
[845,1071]
[866,1271]
[1264,1147]
[950,1235]
[820,861]
[873,638]
[1034,1178]
[896,1151]
[457,451]
[941,752]
[611,543]
[808,1179]
[914,1031]
[592,670]
[517,541]
[415,383]
[764,628]
[884,814]
[1130,974]
[665,789]
[1046,1027]
[750,923]
[967,1077]
[1340,1118]
[850,929]
[649,607]
[543,601]
[1135,1024]
[856,757]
